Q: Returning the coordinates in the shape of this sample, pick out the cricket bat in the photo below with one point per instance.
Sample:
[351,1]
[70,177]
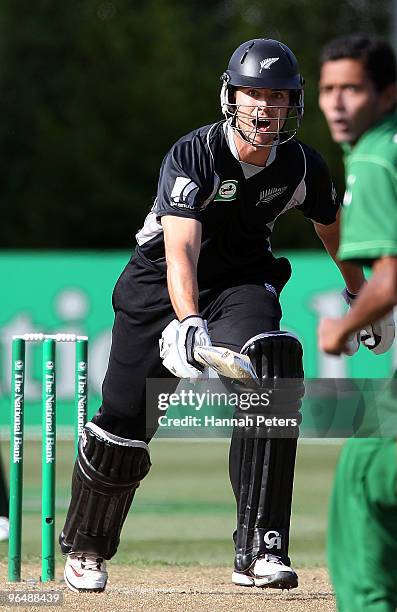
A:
[226,362]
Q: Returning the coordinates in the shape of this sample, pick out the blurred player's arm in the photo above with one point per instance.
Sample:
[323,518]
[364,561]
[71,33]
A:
[182,238]
[378,296]
[329,236]
[376,299]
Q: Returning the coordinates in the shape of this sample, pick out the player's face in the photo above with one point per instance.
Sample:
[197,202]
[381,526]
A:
[261,113]
[348,99]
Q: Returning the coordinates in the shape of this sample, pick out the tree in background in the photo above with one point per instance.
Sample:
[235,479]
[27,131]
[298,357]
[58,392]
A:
[94,93]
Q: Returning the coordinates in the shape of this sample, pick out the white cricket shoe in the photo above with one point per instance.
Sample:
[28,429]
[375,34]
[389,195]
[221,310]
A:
[4,528]
[245,579]
[270,572]
[85,573]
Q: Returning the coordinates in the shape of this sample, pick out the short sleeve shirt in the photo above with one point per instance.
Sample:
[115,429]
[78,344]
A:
[369,217]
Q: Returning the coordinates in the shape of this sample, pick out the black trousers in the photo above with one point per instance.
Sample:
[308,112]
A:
[142,310]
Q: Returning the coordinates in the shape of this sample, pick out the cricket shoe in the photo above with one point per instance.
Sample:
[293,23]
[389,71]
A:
[85,573]
[270,572]
[245,578]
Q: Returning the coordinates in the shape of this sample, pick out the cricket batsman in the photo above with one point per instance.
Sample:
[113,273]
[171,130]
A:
[203,274]
[358,96]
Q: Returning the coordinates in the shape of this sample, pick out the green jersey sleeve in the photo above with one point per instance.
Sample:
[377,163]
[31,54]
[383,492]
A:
[369,214]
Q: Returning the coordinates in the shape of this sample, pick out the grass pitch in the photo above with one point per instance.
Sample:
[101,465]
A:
[184,512]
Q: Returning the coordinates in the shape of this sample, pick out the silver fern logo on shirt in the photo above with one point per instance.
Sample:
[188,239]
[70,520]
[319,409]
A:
[267,195]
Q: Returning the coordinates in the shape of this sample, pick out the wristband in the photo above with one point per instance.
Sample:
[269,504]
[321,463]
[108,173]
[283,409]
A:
[351,296]
[197,321]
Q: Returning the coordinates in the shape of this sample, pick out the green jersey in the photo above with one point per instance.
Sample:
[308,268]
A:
[369,216]
[362,534]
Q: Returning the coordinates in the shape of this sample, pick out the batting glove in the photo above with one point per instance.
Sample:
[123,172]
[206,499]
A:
[377,337]
[177,344]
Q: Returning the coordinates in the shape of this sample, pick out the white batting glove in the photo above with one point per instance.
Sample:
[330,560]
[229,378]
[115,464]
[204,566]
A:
[353,341]
[379,336]
[177,344]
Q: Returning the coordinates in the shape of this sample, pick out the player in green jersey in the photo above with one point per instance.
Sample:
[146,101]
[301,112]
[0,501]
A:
[358,97]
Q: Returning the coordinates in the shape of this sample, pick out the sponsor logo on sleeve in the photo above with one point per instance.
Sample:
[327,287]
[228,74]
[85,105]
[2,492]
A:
[184,192]
[227,191]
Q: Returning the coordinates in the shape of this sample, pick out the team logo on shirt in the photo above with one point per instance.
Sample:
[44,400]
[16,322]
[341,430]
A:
[267,195]
[227,191]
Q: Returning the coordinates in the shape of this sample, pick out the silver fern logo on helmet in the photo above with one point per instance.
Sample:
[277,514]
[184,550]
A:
[266,63]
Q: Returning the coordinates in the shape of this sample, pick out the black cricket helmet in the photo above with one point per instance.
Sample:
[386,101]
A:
[269,64]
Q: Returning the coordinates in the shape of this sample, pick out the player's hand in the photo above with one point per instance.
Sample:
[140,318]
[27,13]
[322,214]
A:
[330,339]
[177,345]
[379,336]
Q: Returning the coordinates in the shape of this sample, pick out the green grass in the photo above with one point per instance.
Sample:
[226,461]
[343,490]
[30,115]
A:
[184,512]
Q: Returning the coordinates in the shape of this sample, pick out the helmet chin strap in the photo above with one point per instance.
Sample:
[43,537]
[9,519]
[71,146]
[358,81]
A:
[224,95]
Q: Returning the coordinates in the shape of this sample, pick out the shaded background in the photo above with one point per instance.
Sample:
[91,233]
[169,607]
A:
[93,94]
